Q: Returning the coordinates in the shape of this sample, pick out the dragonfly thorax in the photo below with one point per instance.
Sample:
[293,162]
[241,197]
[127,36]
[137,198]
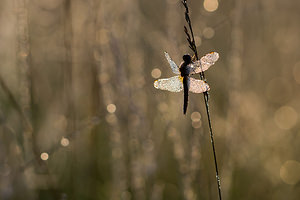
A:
[184,70]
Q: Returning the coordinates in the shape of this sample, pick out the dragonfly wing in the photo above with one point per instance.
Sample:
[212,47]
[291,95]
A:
[204,63]
[198,86]
[173,84]
[173,65]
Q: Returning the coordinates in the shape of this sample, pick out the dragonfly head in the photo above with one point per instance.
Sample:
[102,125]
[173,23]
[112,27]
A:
[187,58]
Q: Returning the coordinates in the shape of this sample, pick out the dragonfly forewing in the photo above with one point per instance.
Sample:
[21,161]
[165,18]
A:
[204,63]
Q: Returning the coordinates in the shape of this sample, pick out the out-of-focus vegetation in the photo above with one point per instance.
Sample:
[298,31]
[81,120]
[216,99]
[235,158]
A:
[80,118]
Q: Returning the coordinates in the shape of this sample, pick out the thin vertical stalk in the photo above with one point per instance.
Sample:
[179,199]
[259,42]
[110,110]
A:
[118,138]
[23,105]
[234,94]
[68,90]
[192,45]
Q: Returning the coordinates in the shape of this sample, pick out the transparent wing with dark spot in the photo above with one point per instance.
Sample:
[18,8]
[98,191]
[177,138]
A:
[173,84]
[198,86]
[173,65]
[204,63]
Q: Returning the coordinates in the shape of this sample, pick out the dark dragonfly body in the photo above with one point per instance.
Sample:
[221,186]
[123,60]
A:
[182,80]
[185,72]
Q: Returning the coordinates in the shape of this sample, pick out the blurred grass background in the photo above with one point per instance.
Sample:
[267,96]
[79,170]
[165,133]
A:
[80,118]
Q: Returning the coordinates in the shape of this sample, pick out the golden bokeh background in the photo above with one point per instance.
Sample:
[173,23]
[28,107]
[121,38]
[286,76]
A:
[80,118]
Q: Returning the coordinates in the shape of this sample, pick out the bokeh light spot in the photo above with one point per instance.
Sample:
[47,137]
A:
[61,122]
[156,73]
[195,116]
[64,142]
[163,107]
[111,118]
[196,124]
[111,108]
[208,32]
[23,54]
[285,117]
[290,172]
[198,41]
[44,156]
[210,5]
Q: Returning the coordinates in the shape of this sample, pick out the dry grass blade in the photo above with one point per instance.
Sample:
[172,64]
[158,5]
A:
[192,45]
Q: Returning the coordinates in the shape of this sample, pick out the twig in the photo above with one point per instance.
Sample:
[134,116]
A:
[192,45]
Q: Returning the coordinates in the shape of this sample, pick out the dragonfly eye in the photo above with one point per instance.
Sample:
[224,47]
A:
[187,58]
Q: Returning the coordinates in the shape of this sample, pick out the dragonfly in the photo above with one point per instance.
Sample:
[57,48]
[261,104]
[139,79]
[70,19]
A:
[182,80]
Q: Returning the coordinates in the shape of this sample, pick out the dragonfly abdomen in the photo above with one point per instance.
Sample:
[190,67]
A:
[186,93]
[184,72]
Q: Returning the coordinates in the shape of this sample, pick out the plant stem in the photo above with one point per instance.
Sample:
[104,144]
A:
[191,40]
[213,144]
